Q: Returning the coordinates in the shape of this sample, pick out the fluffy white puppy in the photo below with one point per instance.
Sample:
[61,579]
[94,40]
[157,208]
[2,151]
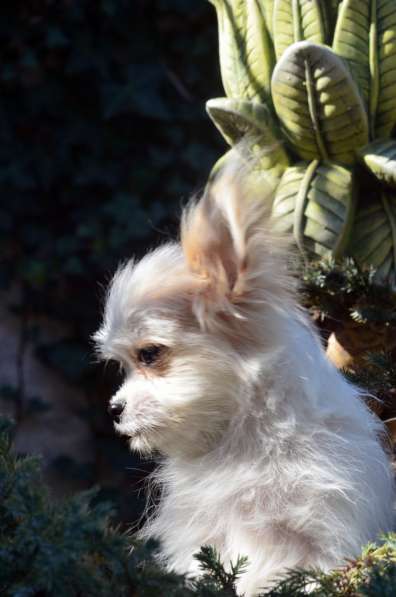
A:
[268,451]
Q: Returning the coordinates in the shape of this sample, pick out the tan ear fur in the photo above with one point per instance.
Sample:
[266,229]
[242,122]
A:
[207,245]
[218,237]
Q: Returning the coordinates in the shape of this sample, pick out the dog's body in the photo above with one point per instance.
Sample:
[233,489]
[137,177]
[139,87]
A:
[269,452]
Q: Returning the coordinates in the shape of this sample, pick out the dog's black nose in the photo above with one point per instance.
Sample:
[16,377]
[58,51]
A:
[115,411]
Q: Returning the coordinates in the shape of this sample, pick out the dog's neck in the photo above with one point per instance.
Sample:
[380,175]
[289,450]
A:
[281,369]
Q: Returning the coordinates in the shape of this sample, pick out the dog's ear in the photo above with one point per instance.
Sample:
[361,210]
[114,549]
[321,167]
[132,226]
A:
[218,236]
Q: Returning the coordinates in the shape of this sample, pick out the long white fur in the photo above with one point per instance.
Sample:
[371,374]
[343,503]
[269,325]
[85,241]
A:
[267,451]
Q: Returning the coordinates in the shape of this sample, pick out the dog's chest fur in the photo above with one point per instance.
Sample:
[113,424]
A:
[286,481]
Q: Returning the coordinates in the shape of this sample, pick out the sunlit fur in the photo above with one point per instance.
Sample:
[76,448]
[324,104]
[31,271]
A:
[267,451]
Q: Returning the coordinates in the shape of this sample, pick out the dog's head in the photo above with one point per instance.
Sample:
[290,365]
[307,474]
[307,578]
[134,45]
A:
[187,322]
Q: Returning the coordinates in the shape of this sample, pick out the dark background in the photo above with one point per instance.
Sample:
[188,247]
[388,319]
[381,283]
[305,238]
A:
[103,136]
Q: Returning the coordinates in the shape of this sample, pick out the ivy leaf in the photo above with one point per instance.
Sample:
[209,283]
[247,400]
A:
[36,406]
[56,38]
[365,35]
[316,203]
[380,159]
[319,104]
[18,174]
[142,93]
[246,52]
[374,237]
[298,20]
[69,357]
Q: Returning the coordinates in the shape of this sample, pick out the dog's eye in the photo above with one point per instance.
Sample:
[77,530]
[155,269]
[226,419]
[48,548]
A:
[149,354]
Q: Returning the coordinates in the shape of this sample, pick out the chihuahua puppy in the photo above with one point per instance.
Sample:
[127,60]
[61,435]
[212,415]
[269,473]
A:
[267,450]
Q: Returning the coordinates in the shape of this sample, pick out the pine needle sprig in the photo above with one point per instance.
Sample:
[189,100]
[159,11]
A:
[377,374]
[215,574]
[70,548]
[341,290]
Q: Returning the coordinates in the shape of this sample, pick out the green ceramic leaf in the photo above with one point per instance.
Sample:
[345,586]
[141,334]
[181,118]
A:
[246,52]
[252,121]
[374,236]
[268,11]
[319,104]
[258,176]
[221,163]
[315,201]
[334,5]
[332,10]
[296,20]
[380,158]
[236,118]
[365,35]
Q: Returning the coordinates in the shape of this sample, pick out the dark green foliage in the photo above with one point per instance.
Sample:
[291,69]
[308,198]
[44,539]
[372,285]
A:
[103,134]
[345,300]
[342,290]
[215,579]
[103,129]
[71,548]
[64,549]
[378,375]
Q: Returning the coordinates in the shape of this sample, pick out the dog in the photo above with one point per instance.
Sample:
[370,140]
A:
[267,451]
